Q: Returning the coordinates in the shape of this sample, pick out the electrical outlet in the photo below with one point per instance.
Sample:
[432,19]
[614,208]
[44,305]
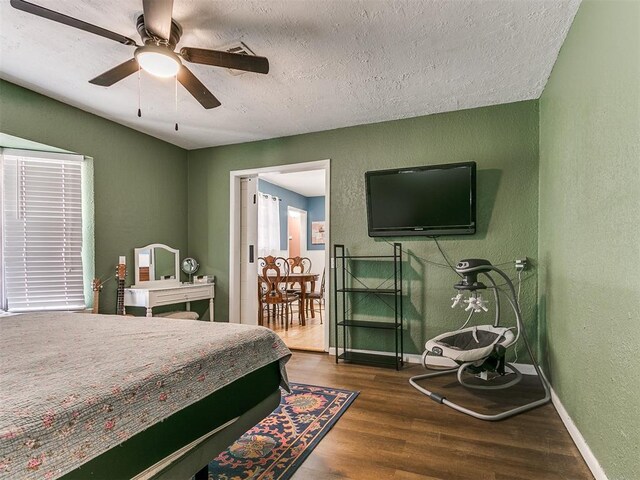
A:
[522,264]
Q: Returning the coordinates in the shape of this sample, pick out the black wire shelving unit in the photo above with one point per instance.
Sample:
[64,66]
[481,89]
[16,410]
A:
[350,291]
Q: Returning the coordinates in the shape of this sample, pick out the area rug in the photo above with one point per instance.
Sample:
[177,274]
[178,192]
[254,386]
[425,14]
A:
[278,445]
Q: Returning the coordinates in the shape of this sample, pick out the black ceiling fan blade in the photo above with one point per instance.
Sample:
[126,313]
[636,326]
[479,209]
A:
[218,58]
[157,17]
[116,74]
[197,89]
[67,20]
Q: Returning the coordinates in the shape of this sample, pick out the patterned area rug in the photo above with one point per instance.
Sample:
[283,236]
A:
[277,446]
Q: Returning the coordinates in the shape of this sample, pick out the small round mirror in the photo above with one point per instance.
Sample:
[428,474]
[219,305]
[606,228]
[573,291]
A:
[190,266]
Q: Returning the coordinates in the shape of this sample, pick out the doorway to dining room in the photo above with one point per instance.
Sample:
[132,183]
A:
[280,252]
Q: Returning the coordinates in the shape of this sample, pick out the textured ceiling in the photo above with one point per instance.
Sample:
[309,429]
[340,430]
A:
[334,63]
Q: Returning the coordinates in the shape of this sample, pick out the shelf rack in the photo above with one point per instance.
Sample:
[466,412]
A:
[350,290]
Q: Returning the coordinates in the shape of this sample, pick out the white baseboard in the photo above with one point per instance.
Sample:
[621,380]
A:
[578,439]
[525,368]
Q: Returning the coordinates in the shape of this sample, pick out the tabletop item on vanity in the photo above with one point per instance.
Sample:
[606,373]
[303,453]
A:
[121,273]
[190,266]
[198,279]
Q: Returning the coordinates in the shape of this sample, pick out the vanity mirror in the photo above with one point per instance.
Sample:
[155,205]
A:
[156,265]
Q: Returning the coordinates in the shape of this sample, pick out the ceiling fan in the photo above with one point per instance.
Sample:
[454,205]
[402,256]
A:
[159,34]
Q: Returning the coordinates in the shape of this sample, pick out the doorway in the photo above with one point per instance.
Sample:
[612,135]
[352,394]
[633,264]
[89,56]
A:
[296,226]
[302,230]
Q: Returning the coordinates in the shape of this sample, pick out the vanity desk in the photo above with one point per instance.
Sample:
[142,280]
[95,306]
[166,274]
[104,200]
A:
[159,296]
[157,283]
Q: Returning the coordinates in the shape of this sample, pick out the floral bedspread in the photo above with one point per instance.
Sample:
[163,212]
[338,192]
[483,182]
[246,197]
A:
[74,385]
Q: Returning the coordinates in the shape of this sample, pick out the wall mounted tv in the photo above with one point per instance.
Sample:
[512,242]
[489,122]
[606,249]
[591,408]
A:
[429,200]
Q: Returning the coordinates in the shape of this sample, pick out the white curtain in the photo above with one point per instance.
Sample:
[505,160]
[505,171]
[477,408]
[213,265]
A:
[268,224]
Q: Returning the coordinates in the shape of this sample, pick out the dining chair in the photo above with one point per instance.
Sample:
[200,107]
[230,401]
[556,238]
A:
[317,297]
[298,265]
[273,273]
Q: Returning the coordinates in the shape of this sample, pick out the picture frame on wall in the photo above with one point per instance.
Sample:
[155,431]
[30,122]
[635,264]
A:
[317,233]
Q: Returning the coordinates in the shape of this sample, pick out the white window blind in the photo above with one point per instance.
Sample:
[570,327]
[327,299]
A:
[42,231]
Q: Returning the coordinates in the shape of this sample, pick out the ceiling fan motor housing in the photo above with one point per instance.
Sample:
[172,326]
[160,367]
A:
[149,38]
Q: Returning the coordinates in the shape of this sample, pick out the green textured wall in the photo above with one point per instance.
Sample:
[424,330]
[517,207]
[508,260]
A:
[140,182]
[589,238]
[503,140]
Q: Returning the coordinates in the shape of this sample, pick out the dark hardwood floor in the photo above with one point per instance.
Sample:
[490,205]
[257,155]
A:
[394,432]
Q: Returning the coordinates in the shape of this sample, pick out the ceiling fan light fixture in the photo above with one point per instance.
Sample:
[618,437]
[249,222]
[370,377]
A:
[158,61]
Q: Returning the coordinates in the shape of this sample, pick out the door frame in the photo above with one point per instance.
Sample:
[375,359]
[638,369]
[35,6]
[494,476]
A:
[235,234]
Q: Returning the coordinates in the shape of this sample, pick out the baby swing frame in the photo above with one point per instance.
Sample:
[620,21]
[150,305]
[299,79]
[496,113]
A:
[470,270]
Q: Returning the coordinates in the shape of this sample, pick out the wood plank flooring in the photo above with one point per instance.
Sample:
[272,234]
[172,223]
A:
[308,337]
[393,432]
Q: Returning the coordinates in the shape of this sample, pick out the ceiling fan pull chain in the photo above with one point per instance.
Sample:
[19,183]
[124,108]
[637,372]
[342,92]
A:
[176,97]
[139,110]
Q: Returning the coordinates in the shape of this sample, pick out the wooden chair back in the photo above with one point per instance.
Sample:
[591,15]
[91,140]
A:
[299,264]
[273,273]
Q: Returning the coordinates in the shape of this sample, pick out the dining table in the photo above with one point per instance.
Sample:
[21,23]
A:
[301,279]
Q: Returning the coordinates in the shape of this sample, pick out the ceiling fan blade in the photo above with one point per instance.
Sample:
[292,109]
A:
[67,20]
[157,17]
[197,89]
[218,58]
[116,74]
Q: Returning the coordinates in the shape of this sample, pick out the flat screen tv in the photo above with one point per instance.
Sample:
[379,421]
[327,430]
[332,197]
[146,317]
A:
[429,200]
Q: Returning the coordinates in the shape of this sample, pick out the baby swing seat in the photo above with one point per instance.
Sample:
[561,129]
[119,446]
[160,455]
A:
[471,344]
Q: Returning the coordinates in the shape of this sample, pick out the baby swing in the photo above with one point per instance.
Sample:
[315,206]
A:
[481,349]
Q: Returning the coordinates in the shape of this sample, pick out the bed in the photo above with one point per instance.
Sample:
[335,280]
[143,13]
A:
[103,396]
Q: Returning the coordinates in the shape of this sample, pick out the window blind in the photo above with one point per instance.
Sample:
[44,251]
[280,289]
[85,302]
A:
[42,232]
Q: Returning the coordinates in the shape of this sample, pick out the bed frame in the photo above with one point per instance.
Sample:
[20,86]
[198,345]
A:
[189,460]
[183,445]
